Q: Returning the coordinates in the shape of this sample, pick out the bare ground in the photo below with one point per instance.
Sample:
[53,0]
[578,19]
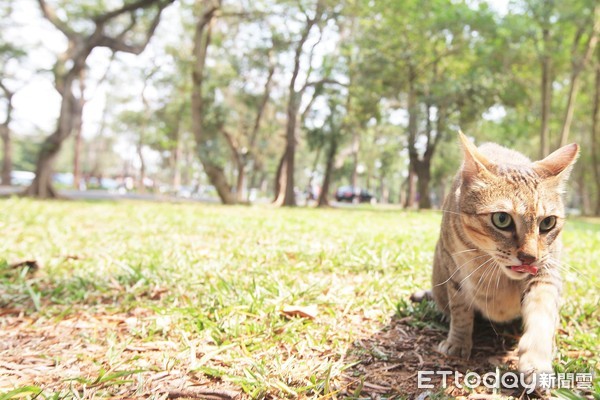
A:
[70,353]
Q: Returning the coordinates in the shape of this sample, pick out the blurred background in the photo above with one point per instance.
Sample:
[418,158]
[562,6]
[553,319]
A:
[296,102]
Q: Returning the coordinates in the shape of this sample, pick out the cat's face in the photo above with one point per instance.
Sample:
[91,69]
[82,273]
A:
[515,212]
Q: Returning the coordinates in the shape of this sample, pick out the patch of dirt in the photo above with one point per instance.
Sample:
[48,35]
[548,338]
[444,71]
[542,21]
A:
[388,363]
[99,355]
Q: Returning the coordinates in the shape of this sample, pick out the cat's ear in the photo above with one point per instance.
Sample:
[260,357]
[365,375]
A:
[475,164]
[559,163]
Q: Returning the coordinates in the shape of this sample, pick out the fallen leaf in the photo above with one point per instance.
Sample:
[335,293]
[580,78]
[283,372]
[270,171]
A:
[309,312]
[31,264]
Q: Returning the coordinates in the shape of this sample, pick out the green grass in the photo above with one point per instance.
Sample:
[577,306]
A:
[141,294]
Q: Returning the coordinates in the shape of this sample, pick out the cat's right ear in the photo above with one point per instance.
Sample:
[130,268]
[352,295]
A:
[559,163]
[475,164]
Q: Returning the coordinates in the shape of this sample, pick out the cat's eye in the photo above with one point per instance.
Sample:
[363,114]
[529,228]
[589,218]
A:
[547,224]
[502,220]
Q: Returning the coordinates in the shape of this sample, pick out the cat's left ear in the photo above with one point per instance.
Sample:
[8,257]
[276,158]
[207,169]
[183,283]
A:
[558,164]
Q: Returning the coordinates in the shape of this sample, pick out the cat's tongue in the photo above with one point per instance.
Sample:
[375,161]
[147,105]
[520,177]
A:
[532,269]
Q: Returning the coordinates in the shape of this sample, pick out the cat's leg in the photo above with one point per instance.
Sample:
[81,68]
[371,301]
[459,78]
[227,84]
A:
[540,310]
[452,300]
[460,336]
[440,276]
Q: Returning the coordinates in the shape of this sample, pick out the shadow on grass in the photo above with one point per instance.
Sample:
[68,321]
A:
[387,364]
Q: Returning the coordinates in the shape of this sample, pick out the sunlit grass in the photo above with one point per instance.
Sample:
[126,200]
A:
[207,285]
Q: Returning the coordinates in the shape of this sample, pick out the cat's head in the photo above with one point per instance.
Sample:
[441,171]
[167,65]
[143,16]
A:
[511,207]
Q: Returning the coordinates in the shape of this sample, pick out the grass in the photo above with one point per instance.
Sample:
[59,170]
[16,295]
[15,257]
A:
[145,299]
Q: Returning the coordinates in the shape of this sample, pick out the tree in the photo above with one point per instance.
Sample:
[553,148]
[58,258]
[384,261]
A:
[9,53]
[248,101]
[595,131]
[205,138]
[106,31]
[556,26]
[427,66]
[285,174]
[6,136]
[579,61]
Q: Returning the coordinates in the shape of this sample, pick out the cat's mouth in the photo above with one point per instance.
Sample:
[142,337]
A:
[524,269]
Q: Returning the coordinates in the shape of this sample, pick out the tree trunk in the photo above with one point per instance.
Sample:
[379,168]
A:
[241,183]
[411,188]
[595,142]
[289,197]
[280,180]
[7,155]
[69,113]
[566,127]
[323,195]
[69,67]
[355,151]
[177,153]
[202,37]
[5,176]
[142,173]
[219,181]
[313,173]
[413,154]
[546,93]
[402,192]
[42,183]
[423,172]
[78,125]
[286,193]
[577,69]
[383,190]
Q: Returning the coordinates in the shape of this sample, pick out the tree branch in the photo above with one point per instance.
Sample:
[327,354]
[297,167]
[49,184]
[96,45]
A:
[233,146]
[325,81]
[103,18]
[51,16]
[9,105]
[262,106]
[118,43]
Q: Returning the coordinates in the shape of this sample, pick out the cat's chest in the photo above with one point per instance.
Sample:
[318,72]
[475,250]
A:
[502,304]
[491,293]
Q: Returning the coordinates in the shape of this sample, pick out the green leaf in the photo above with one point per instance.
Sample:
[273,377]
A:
[21,391]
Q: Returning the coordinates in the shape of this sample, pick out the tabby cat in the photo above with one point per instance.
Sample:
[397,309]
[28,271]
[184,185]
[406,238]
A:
[499,247]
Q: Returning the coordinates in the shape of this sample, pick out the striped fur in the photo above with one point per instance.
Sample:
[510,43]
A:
[473,258]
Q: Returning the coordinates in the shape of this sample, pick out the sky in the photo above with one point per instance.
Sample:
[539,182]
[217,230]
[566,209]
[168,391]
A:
[36,102]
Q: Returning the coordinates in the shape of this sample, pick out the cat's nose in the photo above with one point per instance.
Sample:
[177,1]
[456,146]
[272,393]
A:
[526,259]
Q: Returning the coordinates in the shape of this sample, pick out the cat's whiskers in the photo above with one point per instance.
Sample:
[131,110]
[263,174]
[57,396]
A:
[472,272]
[450,212]
[479,282]
[487,303]
[499,276]
[475,270]
[458,269]
[464,251]
[568,269]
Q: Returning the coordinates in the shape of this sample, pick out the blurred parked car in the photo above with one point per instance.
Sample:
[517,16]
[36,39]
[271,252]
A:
[21,178]
[354,195]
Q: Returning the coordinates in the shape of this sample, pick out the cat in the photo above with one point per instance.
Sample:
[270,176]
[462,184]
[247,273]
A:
[499,247]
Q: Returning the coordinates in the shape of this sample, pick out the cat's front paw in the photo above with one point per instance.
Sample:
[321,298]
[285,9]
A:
[456,349]
[531,365]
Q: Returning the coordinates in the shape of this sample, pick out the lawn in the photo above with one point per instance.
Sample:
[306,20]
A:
[140,299]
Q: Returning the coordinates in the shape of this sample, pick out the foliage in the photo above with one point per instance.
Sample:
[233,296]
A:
[475,67]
